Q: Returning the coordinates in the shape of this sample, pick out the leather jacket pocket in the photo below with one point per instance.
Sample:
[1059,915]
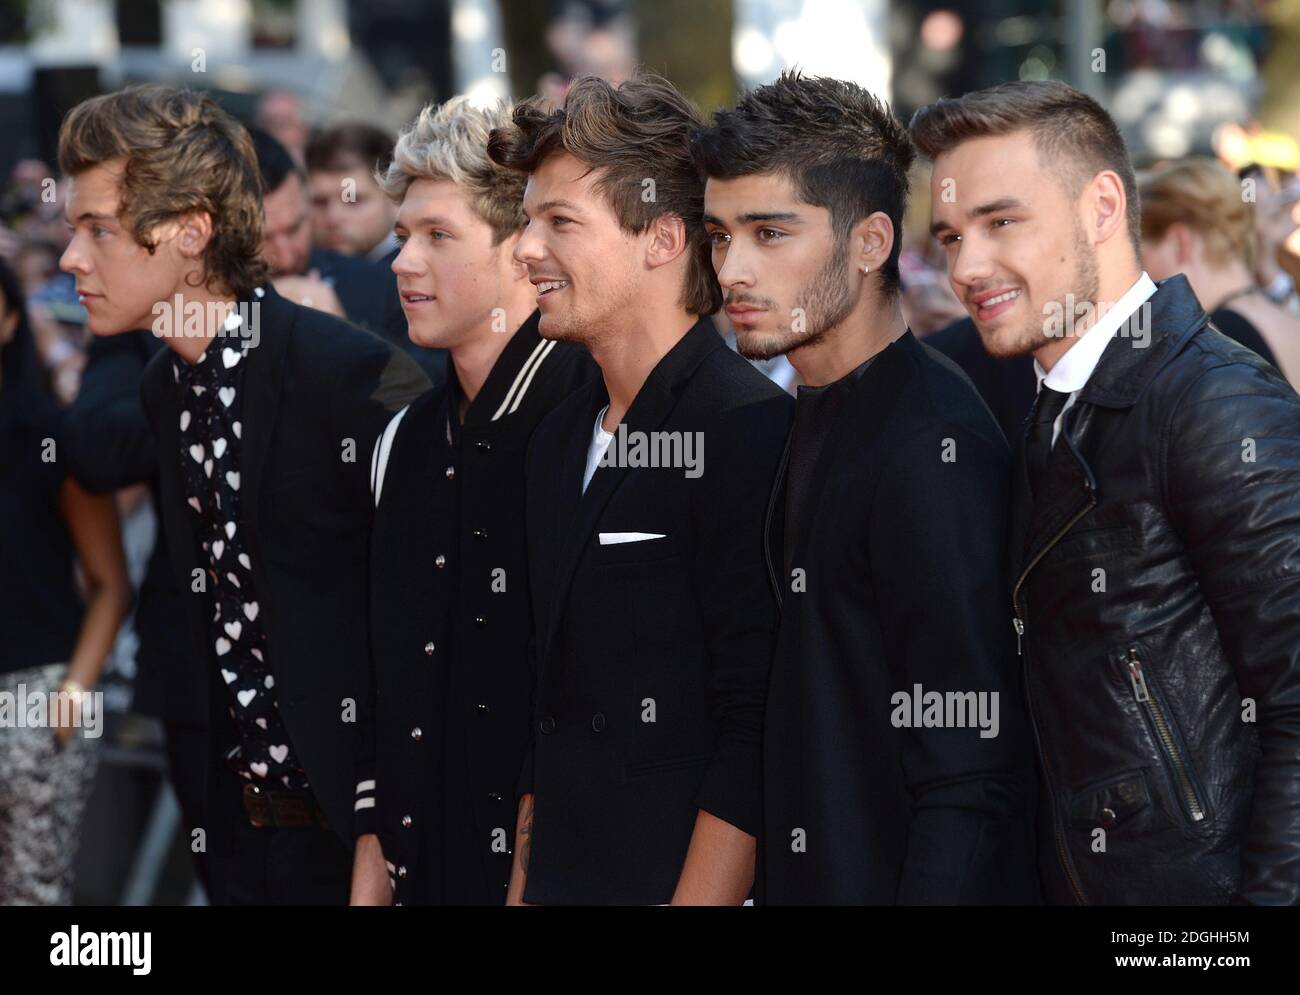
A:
[1110,803]
[1164,732]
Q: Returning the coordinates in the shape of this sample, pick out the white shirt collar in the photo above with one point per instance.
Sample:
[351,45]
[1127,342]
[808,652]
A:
[1074,368]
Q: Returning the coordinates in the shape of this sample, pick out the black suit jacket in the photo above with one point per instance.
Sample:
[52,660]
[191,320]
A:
[316,393]
[451,621]
[901,562]
[652,656]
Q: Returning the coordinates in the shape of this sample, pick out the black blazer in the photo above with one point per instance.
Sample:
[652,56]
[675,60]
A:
[451,621]
[110,445]
[312,385]
[901,556]
[652,655]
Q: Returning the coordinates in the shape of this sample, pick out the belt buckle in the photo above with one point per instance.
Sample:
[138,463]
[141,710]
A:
[256,793]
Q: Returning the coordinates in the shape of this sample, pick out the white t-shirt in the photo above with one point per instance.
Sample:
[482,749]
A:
[600,440]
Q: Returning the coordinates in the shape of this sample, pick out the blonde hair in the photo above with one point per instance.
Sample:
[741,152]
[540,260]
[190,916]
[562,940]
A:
[1205,196]
[449,142]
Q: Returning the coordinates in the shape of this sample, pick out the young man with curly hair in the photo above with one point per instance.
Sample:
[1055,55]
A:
[264,413]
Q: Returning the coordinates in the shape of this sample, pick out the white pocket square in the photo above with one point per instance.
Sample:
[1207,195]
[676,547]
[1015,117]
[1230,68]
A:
[614,538]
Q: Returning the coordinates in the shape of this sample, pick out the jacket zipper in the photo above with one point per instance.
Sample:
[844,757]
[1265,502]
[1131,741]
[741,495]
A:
[1143,694]
[767,522]
[1019,623]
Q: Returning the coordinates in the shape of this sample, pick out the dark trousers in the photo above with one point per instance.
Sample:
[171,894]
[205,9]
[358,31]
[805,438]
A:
[268,866]
[187,745]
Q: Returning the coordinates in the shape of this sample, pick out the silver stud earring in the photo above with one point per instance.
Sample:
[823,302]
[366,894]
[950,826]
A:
[865,269]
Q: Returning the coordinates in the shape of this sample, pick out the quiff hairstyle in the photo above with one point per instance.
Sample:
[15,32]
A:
[182,153]
[1072,132]
[839,146]
[633,133]
[1205,196]
[449,142]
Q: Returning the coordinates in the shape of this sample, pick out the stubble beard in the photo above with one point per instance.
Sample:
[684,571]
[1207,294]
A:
[1033,335]
[824,302]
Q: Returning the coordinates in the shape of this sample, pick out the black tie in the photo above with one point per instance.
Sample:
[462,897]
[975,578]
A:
[1038,443]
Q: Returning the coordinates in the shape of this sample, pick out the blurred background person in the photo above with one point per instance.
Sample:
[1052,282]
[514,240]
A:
[303,274]
[1284,242]
[350,214]
[280,114]
[1273,224]
[56,637]
[1196,221]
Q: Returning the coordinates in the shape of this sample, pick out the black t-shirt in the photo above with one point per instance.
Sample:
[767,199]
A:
[40,608]
[816,411]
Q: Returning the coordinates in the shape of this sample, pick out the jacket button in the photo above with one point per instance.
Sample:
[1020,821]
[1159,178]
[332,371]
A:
[406,822]
[440,561]
[416,733]
[482,709]
[598,722]
[401,871]
[547,725]
[494,796]
[1108,817]
[428,649]
[451,473]
[478,534]
[480,621]
[483,446]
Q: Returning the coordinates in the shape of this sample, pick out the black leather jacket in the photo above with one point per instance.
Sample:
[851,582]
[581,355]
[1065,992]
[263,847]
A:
[1157,594]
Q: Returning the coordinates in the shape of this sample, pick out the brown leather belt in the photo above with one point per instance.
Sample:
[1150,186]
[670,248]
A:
[282,809]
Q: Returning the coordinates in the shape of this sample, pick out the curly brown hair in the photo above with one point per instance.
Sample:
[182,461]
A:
[637,131]
[181,153]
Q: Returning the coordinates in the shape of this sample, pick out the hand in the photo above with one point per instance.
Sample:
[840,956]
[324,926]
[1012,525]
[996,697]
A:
[523,850]
[370,885]
[310,291]
[66,718]
[62,734]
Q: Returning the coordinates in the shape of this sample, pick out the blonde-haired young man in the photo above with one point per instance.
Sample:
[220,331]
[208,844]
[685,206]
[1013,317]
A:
[449,584]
